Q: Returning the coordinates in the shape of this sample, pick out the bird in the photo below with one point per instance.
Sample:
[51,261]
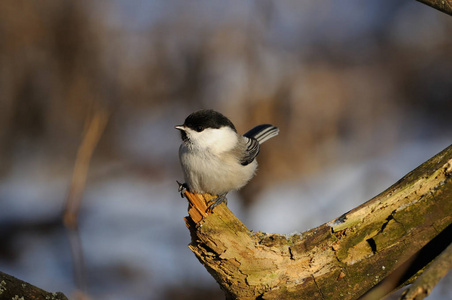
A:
[215,159]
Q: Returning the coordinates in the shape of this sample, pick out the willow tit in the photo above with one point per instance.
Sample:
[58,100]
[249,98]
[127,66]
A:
[214,158]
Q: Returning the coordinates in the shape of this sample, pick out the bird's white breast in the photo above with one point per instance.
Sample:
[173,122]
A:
[208,172]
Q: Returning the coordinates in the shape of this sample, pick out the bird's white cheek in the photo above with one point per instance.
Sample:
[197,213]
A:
[219,140]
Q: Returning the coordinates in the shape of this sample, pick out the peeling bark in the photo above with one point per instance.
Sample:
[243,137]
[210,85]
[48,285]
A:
[342,259]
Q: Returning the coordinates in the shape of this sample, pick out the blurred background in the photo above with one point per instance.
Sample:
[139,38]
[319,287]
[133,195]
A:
[361,91]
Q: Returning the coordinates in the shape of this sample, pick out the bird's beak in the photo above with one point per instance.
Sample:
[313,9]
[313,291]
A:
[180,127]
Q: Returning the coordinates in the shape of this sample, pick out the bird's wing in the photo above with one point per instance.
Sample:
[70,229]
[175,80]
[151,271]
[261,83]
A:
[254,138]
[251,151]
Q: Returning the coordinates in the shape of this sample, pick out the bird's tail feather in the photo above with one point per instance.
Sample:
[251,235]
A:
[262,132]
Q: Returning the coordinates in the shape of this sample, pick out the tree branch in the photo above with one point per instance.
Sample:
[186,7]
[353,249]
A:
[342,259]
[442,5]
[13,288]
[422,287]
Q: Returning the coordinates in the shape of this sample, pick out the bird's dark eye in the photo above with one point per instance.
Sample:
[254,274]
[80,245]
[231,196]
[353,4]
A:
[199,128]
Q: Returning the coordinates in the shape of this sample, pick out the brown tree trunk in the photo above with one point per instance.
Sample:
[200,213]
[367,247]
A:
[394,235]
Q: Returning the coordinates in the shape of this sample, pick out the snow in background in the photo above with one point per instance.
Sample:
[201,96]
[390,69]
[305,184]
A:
[131,223]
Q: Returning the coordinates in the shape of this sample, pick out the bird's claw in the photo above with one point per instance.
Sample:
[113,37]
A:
[183,187]
[216,201]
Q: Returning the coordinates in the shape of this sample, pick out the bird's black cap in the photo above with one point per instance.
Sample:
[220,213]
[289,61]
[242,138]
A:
[207,118]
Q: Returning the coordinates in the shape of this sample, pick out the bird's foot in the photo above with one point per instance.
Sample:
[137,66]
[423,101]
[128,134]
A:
[217,201]
[183,187]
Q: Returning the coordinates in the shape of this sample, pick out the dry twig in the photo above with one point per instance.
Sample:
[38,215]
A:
[92,135]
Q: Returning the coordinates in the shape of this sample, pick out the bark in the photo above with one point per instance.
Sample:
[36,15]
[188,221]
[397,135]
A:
[442,5]
[13,288]
[396,233]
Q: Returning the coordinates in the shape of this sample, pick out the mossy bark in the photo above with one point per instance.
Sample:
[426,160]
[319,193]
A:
[341,259]
[13,288]
[442,5]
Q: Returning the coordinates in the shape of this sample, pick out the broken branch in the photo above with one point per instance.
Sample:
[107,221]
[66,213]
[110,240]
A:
[342,259]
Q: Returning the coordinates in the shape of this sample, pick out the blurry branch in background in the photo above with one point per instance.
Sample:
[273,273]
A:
[391,239]
[442,5]
[94,130]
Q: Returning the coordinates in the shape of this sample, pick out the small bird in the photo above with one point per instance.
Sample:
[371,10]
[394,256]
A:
[216,159]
